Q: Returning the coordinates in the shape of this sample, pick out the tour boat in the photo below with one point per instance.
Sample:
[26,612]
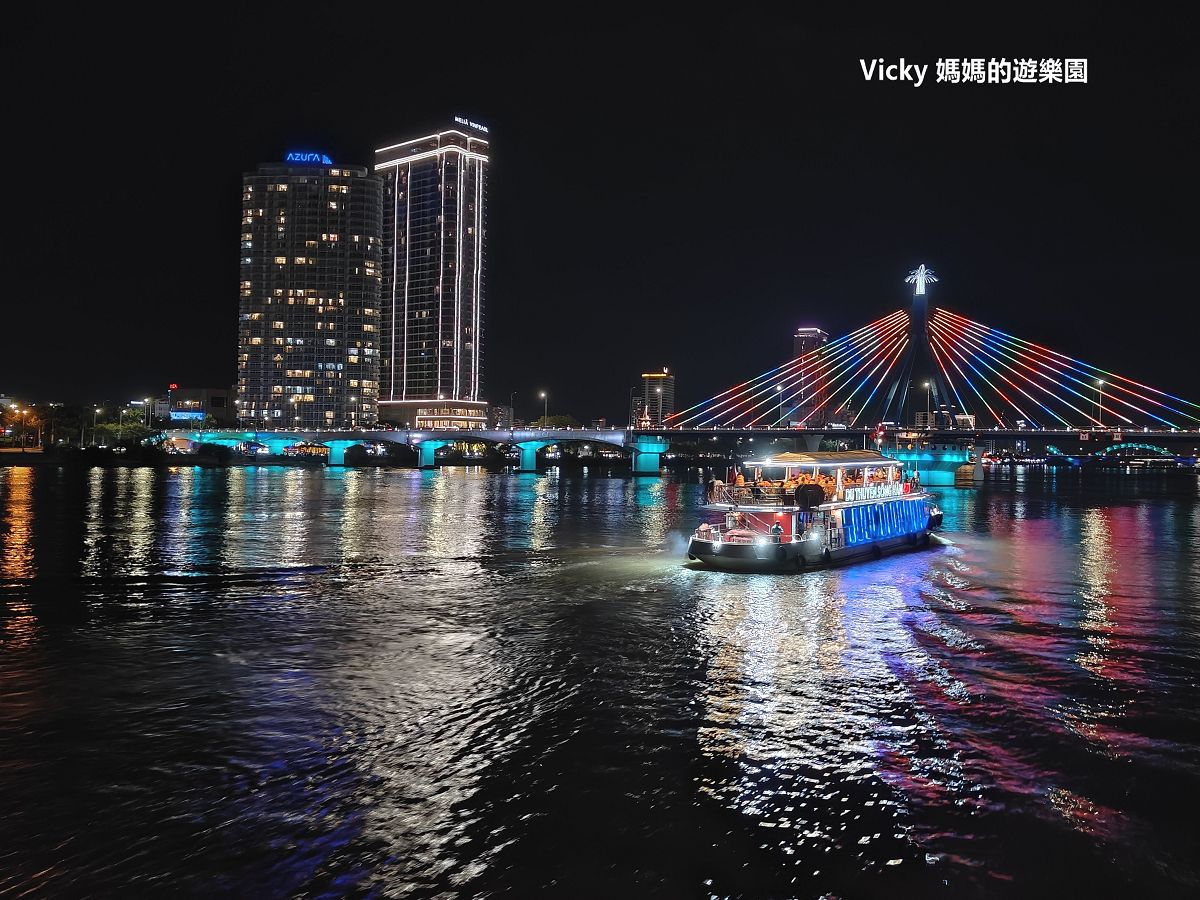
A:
[821,509]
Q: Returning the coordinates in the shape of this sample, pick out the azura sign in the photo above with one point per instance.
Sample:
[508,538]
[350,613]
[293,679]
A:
[317,159]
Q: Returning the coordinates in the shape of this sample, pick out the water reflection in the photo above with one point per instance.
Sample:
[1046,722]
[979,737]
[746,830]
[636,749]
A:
[332,682]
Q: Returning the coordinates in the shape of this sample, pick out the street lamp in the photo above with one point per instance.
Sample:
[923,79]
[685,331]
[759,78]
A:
[779,411]
[928,412]
[146,400]
[95,418]
[21,413]
[545,409]
[295,413]
[1100,410]
[659,390]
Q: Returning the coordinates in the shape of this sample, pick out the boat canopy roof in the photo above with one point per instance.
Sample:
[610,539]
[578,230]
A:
[844,459]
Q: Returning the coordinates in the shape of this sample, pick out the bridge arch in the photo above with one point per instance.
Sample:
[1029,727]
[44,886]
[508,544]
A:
[528,443]
[1120,449]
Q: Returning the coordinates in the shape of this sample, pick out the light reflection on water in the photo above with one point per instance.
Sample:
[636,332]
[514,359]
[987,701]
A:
[286,681]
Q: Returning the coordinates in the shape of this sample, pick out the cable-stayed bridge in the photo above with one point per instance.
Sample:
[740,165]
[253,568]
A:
[974,382]
[963,373]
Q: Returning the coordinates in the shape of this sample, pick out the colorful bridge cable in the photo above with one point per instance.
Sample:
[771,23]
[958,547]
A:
[961,342]
[1080,373]
[862,356]
[1012,362]
[866,367]
[824,361]
[799,361]
[1059,370]
[741,401]
[865,355]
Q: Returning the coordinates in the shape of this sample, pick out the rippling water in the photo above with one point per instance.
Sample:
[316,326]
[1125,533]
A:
[280,682]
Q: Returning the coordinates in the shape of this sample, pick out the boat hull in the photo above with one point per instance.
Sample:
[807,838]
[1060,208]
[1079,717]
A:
[796,557]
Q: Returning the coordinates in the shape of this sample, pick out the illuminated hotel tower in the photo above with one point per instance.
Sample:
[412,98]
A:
[434,227]
[308,329]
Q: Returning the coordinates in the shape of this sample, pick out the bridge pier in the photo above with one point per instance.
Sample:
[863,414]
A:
[647,454]
[337,451]
[427,452]
[529,450]
[933,464]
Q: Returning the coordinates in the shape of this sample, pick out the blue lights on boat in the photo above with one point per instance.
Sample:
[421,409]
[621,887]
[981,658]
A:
[878,521]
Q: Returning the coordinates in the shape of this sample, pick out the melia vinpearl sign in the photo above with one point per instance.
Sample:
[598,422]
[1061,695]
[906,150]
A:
[308,158]
[464,121]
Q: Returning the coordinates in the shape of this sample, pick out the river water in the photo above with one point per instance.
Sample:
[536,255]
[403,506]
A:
[291,682]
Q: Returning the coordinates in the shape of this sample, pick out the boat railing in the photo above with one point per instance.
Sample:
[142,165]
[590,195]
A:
[748,530]
[757,494]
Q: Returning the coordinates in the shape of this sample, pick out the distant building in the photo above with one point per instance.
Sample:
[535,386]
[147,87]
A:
[444,414]
[636,406]
[806,339]
[500,417]
[806,392]
[308,335]
[195,405]
[656,400]
[434,242]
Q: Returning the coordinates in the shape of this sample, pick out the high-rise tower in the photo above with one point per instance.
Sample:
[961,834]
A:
[308,330]
[434,240]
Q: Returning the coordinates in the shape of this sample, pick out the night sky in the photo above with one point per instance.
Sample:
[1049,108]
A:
[662,192]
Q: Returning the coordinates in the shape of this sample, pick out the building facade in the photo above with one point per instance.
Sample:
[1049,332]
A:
[654,399]
[197,405]
[807,396]
[309,326]
[434,281]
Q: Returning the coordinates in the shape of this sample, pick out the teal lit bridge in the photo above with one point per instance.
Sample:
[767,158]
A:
[934,453]
[645,448]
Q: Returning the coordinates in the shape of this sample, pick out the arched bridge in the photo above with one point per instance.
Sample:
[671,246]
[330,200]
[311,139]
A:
[645,447]
[1127,449]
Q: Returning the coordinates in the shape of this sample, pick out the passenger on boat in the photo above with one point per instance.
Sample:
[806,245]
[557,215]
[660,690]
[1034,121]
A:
[776,532]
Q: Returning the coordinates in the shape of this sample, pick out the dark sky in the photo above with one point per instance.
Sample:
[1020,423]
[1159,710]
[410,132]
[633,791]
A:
[663,192]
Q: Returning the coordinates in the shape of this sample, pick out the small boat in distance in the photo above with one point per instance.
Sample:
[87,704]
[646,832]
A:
[825,509]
